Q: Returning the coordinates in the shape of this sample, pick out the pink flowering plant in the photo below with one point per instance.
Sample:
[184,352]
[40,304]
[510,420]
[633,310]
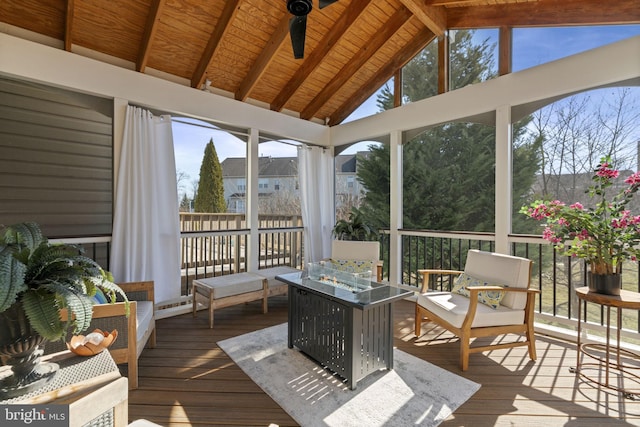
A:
[605,235]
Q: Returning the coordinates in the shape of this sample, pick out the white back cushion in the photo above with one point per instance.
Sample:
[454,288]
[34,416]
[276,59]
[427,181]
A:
[502,270]
[356,250]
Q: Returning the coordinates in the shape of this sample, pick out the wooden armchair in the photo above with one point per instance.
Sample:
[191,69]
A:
[134,332]
[467,318]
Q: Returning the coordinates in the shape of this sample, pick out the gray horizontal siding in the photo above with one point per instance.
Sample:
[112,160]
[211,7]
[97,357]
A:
[56,159]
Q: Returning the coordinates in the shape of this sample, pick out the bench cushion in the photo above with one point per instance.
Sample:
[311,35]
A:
[271,273]
[453,308]
[232,284]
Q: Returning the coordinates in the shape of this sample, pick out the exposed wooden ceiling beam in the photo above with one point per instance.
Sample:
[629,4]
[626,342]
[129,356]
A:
[262,62]
[414,47]
[434,18]
[68,25]
[228,14]
[393,24]
[155,10]
[343,23]
[545,13]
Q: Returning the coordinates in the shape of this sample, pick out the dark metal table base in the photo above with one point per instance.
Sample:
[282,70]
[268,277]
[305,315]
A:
[350,341]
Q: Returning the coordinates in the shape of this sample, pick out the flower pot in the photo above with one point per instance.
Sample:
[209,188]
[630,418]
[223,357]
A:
[608,284]
[20,344]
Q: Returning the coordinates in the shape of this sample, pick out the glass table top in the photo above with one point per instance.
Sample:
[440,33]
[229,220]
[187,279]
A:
[376,293]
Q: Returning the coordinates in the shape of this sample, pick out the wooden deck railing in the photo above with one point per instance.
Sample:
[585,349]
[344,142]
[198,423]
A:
[554,275]
[217,251]
[216,244]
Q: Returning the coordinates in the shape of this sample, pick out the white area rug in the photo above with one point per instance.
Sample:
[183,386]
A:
[415,393]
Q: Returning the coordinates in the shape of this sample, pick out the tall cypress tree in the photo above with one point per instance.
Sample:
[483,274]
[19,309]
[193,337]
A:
[210,195]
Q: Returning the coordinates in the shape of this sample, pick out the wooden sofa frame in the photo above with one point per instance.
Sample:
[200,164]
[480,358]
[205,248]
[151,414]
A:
[126,348]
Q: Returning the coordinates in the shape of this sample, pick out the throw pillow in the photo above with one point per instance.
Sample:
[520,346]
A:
[352,265]
[489,298]
[99,297]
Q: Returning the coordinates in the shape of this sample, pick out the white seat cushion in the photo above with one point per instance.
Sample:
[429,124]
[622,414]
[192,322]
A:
[144,316]
[453,308]
[232,284]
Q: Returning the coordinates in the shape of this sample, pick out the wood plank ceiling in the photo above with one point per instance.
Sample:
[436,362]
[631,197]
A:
[242,48]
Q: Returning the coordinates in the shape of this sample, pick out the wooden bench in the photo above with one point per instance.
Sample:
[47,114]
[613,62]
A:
[238,288]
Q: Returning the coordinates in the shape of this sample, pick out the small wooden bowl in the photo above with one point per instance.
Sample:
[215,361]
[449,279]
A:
[93,343]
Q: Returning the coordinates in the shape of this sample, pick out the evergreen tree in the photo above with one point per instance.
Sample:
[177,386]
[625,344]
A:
[448,170]
[210,195]
[185,203]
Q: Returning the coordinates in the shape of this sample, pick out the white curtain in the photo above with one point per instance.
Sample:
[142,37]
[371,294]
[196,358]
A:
[316,175]
[146,227]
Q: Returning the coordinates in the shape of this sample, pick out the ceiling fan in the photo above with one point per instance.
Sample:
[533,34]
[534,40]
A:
[298,23]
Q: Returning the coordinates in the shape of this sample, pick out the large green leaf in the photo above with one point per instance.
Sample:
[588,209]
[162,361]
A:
[11,281]
[43,313]
[23,239]
[52,261]
[28,234]
[78,304]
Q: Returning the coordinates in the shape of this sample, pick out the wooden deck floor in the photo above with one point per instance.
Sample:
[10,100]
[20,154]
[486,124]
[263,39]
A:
[188,380]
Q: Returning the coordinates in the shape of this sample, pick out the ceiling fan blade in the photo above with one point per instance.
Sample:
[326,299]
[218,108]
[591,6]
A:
[297,30]
[325,3]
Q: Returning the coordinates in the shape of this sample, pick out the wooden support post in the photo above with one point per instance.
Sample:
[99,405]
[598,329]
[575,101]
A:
[506,51]
[443,63]
[397,88]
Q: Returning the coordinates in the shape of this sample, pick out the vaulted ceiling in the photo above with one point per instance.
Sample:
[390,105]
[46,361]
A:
[242,48]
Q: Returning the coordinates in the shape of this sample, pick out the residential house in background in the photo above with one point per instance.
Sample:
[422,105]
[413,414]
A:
[278,179]
[276,175]
[349,191]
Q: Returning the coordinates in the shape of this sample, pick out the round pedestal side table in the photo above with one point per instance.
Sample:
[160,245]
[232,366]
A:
[608,356]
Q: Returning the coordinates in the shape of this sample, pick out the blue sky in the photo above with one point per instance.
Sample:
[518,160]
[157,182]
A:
[531,47]
[535,46]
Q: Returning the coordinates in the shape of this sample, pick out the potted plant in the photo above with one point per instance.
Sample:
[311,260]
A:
[38,280]
[604,235]
[354,228]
